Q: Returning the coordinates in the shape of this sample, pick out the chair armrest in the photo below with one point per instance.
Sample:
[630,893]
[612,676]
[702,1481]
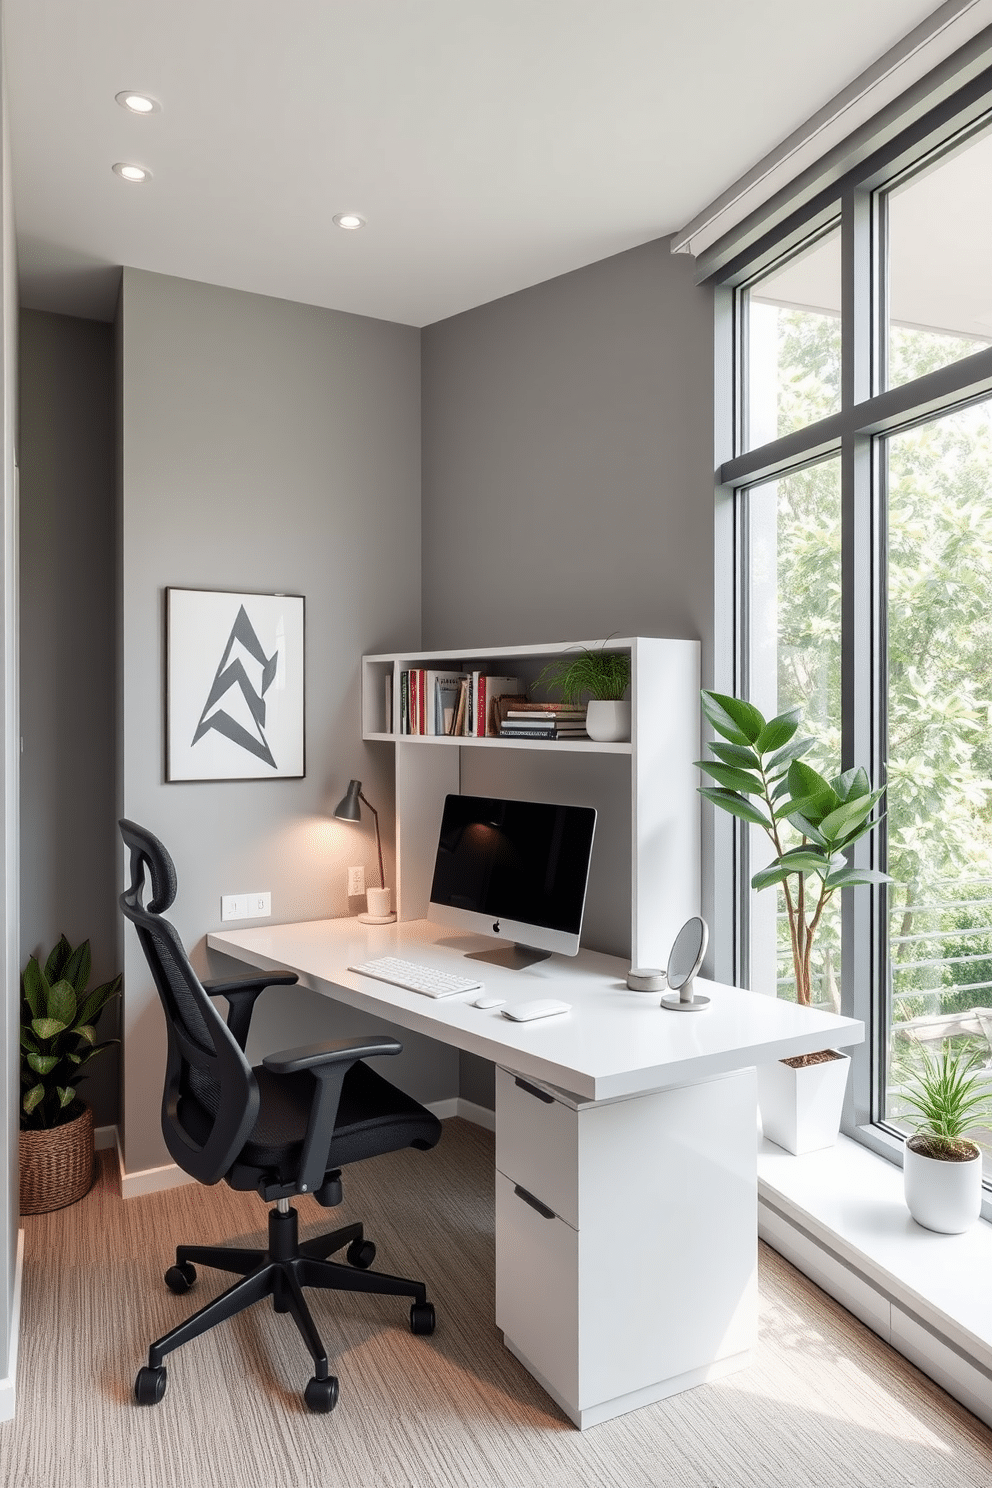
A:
[241,996]
[221,986]
[334,1051]
[329,1063]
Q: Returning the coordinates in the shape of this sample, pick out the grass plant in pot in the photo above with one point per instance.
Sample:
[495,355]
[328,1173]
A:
[942,1166]
[58,1040]
[811,823]
[603,677]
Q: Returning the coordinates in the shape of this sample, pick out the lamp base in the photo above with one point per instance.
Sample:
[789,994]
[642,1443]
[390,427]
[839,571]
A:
[371,919]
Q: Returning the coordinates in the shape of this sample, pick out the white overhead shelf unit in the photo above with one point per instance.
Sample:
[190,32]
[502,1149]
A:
[645,788]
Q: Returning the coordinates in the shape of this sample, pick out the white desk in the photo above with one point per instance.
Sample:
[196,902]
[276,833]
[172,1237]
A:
[626,1182]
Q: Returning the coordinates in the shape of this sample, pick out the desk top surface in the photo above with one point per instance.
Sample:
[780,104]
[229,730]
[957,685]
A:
[614,1042]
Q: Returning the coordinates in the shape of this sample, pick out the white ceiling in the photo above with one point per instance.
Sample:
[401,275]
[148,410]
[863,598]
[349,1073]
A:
[490,144]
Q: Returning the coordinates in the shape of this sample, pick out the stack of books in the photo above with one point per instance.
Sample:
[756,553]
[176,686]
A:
[462,703]
[520,719]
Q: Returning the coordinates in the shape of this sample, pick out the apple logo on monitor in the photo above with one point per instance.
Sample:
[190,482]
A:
[495,927]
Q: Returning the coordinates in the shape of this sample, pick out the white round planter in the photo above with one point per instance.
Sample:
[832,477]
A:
[608,723]
[942,1196]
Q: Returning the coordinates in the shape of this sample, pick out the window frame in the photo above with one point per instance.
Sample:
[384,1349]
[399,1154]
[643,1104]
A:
[869,411]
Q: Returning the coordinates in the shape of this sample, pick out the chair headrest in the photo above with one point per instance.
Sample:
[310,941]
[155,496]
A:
[148,851]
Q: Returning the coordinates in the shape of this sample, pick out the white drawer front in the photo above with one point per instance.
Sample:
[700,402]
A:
[537,1144]
[537,1292]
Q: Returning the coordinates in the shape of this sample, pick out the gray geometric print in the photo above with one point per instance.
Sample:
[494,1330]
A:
[234,675]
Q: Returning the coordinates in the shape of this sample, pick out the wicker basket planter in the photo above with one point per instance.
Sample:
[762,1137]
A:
[57,1164]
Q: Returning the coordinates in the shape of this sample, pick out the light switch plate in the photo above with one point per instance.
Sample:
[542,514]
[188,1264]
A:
[259,905]
[234,907]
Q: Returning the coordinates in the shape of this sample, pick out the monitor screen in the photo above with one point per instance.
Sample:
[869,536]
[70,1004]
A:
[514,869]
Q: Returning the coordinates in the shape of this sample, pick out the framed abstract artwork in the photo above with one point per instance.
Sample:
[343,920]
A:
[234,685]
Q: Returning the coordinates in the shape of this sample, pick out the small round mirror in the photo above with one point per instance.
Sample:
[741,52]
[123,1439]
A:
[683,964]
[687,953]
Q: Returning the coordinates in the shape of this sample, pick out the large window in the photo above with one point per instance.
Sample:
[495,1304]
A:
[862,487]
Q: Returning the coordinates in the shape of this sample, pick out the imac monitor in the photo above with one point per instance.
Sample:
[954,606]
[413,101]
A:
[517,870]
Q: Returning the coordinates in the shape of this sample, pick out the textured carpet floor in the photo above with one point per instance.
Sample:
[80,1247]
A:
[825,1402]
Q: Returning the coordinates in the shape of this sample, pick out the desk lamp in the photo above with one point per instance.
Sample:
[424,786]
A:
[349,808]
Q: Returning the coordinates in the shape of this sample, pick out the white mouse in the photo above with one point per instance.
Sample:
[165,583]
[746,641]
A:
[488,1002]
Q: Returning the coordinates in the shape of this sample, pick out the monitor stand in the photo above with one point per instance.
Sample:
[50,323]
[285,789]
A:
[513,957]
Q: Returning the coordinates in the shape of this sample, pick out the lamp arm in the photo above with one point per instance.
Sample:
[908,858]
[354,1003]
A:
[378,840]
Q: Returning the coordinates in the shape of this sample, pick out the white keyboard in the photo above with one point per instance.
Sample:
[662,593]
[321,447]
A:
[416,978]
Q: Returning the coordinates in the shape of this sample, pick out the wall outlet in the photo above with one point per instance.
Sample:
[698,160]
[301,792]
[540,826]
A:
[259,906]
[234,907]
[356,882]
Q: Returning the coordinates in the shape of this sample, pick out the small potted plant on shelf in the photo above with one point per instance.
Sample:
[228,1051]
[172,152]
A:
[811,823]
[601,675]
[942,1167]
[58,1040]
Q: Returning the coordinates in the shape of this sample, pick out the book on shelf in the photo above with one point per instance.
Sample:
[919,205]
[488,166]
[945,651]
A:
[404,702]
[442,689]
[481,720]
[533,732]
[515,715]
[388,700]
[461,707]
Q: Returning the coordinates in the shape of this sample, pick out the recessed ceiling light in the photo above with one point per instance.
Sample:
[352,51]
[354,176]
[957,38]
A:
[138,103]
[350,221]
[130,172]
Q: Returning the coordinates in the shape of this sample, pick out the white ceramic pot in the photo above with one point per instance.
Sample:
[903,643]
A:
[942,1196]
[801,1108]
[608,723]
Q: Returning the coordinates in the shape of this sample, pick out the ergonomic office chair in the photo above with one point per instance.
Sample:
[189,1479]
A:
[286,1127]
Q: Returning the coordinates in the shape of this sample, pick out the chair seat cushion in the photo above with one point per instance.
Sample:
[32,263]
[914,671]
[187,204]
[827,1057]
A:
[373,1117]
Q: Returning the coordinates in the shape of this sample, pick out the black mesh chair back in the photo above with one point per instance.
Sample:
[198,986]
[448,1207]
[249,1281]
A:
[205,1066]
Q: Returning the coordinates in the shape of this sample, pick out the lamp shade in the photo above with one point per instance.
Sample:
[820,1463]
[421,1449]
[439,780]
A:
[348,808]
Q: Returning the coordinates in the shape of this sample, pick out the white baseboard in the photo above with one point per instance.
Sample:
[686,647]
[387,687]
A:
[8,1382]
[466,1109]
[104,1137]
[478,1115]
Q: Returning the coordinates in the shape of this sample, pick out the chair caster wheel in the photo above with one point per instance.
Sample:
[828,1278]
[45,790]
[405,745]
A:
[361,1253]
[422,1319]
[321,1395]
[179,1279]
[149,1387]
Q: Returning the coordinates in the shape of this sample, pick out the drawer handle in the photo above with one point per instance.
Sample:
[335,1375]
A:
[529,1198]
[542,1095]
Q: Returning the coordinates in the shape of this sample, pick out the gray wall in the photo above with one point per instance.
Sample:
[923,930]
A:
[9,734]
[67,605]
[568,469]
[267,446]
[568,459]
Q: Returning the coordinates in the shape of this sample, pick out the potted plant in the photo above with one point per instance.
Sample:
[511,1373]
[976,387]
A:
[942,1168]
[58,1040]
[811,822]
[604,677]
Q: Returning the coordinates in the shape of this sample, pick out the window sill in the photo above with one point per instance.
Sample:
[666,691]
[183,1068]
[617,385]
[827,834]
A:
[839,1216]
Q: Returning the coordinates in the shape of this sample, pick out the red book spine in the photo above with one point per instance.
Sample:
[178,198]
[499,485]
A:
[480,708]
[422,700]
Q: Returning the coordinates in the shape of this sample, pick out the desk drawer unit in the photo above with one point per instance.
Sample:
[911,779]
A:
[626,1239]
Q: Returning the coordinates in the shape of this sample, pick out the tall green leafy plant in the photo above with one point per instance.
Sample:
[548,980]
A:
[58,1036]
[810,821]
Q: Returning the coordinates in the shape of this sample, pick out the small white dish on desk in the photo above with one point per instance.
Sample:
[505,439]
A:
[371,919]
[544,1007]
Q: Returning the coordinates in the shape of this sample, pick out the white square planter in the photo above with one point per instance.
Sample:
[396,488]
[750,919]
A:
[801,1108]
